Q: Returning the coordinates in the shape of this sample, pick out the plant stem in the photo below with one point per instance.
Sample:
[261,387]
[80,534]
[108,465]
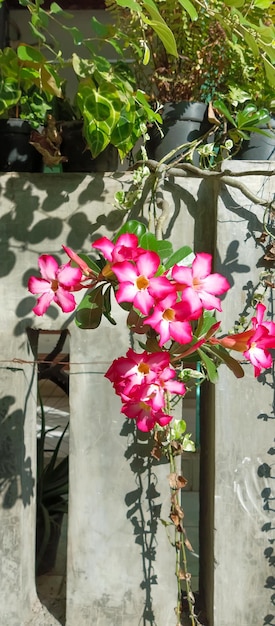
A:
[181,568]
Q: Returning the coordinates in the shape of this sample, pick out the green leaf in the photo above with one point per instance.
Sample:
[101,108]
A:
[209,366]
[234,3]
[165,35]
[92,264]
[231,363]
[107,305]
[89,311]
[55,8]
[28,53]
[189,8]
[102,30]
[133,227]
[222,108]
[205,323]
[270,71]
[129,4]
[180,254]
[37,33]
[76,34]
[251,42]
[148,241]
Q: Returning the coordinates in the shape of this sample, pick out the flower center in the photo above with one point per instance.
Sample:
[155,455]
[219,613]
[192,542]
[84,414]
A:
[142,282]
[196,283]
[54,285]
[169,315]
[144,368]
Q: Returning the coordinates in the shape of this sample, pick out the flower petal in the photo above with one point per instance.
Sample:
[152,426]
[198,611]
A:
[69,276]
[215,284]
[43,303]
[147,264]
[201,266]
[65,300]
[38,285]
[48,266]
[105,246]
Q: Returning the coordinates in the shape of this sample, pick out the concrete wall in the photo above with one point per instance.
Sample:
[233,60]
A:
[114,577]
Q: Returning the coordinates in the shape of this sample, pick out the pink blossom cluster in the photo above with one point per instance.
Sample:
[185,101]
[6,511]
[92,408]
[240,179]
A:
[167,301]
[143,381]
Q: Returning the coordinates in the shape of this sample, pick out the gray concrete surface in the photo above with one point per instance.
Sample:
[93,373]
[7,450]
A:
[110,581]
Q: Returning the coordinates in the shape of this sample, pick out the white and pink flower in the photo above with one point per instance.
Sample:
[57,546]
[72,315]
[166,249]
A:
[56,285]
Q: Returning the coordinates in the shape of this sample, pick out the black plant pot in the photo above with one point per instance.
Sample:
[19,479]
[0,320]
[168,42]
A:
[258,147]
[16,153]
[182,122]
[45,559]
[79,157]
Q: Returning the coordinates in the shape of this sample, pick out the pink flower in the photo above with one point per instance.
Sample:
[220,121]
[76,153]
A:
[138,283]
[154,393]
[199,287]
[142,380]
[135,369]
[257,350]
[55,285]
[254,343]
[125,249]
[144,416]
[169,320]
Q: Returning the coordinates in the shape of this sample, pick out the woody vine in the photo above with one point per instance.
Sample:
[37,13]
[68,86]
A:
[170,300]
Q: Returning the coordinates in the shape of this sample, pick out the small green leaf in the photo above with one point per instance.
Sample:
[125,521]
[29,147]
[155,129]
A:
[92,264]
[189,8]
[107,306]
[129,4]
[28,53]
[102,30]
[89,311]
[133,227]
[148,241]
[209,366]
[76,34]
[55,8]
[222,108]
[231,363]
[205,323]
[179,255]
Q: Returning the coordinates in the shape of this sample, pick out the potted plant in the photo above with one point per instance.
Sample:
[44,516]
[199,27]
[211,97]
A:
[107,105]
[217,48]
[52,497]
[28,86]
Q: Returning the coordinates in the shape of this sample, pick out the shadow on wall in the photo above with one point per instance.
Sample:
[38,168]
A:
[16,478]
[266,472]
[144,510]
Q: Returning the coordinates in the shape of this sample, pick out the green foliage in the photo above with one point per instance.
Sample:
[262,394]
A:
[28,84]
[52,486]
[229,41]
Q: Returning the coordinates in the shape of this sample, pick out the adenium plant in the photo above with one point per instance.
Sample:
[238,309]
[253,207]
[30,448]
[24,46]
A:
[171,299]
